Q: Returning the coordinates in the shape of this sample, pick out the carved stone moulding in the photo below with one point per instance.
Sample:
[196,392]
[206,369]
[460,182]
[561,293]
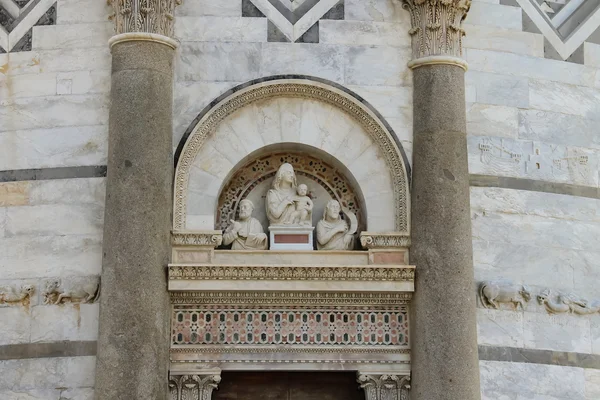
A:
[391,240]
[437,30]
[340,358]
[290,298]
[203,238]
[387,386]
[210,277]
[144,16]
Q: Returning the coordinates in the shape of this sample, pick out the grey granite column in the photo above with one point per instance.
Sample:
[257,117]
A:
[133,342]
[445,363]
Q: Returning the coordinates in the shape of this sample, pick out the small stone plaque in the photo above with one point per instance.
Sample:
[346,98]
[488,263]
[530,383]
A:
[286,237]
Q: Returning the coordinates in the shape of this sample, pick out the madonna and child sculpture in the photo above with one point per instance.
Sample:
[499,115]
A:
[289,211]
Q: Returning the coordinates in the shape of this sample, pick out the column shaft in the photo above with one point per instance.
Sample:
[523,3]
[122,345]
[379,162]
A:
[444,333]
[133,341]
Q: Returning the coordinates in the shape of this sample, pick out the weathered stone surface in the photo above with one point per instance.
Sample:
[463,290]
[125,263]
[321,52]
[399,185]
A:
[239,62]
[16,327]
[363,33]
[47,373]
[375,10]
[444,333]
[592,384]
[565,98]
[134,305]
[390,69]
[548,126]
[530,67]
[499,89]
[516,381]
[492,38]
[72,36]
[223,29]
[209,7]
[14,194]
[492,120]
[497,15]
[53,147]
[79,11]
[306,58]
[28,85]
[66,322]
[557,332]
[499,328]
[31,257]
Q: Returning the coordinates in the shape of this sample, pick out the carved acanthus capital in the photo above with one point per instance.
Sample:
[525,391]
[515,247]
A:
[436,29]
[144,16]
[199,387]
[384,386]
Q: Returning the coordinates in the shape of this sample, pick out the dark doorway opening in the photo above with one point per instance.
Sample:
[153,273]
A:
[288,386]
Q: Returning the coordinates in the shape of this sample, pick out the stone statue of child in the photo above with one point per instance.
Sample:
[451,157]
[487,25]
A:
[304,206]
[247,233]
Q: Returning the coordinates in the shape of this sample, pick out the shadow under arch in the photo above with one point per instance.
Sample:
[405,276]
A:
[242,86]
[389,155]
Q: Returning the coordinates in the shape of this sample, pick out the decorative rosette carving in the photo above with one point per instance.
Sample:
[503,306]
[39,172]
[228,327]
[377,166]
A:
[437,26]
[144,16]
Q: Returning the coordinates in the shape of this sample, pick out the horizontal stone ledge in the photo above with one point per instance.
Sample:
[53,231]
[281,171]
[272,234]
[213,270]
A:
[533,185]
[247,272]
[535,356]
[47,350]
[38,174]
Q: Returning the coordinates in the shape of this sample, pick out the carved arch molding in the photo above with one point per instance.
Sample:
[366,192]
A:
[330,94]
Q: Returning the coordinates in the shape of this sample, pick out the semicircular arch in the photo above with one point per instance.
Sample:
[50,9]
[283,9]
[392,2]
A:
[283,110]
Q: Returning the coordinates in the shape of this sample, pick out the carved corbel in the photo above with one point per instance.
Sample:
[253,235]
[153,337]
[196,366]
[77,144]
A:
[384,386]
[210,239]
[182,387]
[437,30]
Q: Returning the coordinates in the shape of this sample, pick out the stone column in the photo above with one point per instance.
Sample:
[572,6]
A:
[445,362]
[384,386]
[133,342]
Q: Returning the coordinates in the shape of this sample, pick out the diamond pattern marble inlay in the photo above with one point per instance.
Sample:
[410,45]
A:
[566,24]
[17,17]
[294,17]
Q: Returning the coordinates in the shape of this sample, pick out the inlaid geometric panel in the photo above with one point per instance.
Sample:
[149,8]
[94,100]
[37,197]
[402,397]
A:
[565,23]
[294,20]
[290,326]
[17,18]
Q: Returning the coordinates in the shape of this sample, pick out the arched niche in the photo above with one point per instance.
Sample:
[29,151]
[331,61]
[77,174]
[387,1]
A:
[285,112]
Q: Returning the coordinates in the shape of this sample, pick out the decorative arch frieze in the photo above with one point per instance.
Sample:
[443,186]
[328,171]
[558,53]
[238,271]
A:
[314,90]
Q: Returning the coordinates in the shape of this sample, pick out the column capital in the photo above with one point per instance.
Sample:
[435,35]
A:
[198,386]
[144,19]
[437,31]
[384,386]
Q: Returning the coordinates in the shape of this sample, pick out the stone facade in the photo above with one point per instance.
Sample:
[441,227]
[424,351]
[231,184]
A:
[533,152]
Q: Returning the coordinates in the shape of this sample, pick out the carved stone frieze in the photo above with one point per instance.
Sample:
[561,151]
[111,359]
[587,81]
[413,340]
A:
[144,16]
[568,303]
[205,238]
[384,386]
[198,387]
[16,294]
[391,240]
[285,272]
[76,290]
[436,26]
[290,298]
[208,125]
[493,293]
